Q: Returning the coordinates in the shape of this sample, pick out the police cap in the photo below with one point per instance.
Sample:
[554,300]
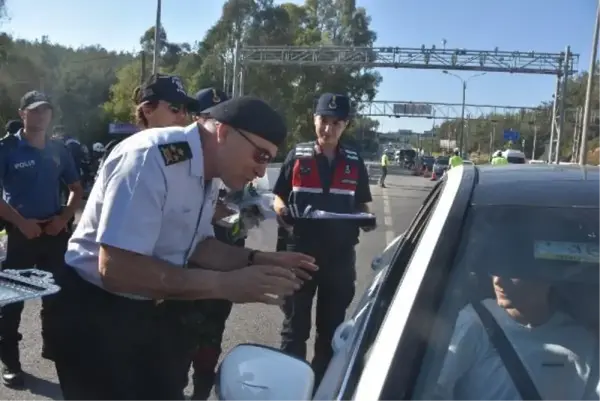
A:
[168,88]
[334,105]
[249,113]
[34,99]
[13,126]
[209,97]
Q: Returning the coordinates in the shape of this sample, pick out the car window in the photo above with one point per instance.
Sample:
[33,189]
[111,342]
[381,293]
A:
[536,271]
[390,280]
[442,160]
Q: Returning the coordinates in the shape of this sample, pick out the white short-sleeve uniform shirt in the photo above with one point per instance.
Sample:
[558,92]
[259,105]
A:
[143,204]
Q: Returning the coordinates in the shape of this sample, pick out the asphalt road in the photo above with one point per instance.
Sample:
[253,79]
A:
[395,208]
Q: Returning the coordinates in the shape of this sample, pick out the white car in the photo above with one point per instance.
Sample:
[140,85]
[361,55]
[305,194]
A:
[523,239]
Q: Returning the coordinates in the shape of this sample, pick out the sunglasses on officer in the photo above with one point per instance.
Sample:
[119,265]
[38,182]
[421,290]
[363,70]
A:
[261,155]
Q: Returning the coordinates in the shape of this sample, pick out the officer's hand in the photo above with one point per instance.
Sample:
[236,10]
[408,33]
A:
[30,228]
[300,264]
[258,283]
[55,225]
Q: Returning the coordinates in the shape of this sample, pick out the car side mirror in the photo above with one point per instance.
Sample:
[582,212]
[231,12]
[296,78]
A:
[258,372]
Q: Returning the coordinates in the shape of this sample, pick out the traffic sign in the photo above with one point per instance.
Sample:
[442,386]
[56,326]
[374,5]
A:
[510,135]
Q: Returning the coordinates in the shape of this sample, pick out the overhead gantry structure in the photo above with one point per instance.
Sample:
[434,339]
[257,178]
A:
[435,110]
[562,65]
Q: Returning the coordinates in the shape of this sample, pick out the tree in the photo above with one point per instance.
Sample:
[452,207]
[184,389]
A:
[291,90]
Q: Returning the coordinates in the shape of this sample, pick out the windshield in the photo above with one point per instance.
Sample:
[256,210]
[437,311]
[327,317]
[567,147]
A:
[535,270]
[443,161]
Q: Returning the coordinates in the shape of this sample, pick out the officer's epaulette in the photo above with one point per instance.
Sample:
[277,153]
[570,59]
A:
[350,153]
[305,149]
[176,152]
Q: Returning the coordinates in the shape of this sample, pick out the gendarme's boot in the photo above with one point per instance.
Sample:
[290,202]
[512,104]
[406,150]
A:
[203,385]
[12,374]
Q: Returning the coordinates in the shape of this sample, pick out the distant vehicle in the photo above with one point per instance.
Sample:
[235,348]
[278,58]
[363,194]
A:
[467,161]
[514,156]
[441,165]
[428,162]
[406,157]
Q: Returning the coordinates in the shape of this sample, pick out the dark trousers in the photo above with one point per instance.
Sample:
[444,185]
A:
[110,347]
[46,253]
[282,239]
[384,173]
[215,313]
[334,286]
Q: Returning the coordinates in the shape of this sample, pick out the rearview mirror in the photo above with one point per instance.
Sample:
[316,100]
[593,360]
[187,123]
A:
[258,372]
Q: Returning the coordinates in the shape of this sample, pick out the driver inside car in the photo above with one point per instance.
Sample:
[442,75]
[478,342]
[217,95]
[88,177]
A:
[558,352]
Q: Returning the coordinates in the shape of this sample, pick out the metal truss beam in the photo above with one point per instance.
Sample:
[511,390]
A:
[439,111]
[404,57]
[450,111]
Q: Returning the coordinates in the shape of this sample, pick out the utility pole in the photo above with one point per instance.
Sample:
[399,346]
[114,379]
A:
[492,138]
[535,131]
[156,38]
[588,92]
[462,113]
[563,97]
[462,117]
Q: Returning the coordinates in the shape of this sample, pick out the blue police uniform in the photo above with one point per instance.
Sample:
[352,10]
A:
[30,182]
[214,312]
[308,178]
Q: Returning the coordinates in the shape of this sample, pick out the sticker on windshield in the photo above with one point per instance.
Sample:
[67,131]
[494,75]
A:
[584,252]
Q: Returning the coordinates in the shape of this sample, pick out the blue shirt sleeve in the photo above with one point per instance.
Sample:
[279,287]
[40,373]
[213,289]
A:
[69,173]
[3,157]
[134,188]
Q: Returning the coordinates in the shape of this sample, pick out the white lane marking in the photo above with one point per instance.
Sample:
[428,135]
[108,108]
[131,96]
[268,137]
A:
[387,217]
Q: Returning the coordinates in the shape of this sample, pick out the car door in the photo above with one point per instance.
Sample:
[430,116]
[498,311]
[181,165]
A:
[354,336]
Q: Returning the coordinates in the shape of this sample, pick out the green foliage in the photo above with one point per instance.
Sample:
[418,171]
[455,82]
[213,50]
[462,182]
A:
[78,80]
[292,89]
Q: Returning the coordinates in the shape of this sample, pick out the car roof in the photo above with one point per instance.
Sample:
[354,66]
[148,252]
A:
[545,185]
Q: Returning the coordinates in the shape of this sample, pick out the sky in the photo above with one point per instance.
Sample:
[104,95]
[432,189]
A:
[524,25]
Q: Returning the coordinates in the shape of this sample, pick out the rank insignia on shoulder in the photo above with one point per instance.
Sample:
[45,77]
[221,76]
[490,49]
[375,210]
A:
[176,152]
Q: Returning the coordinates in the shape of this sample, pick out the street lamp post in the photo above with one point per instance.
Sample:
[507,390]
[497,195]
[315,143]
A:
[493,138]
[462,112]
[156,38]
[588,92]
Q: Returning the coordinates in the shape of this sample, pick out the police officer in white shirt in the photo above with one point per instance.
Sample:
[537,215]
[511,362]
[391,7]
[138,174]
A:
[128,326]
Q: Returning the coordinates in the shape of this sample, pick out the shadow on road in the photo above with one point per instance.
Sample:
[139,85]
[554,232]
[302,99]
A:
[43,387]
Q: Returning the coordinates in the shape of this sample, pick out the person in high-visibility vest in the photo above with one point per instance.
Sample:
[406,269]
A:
[498,159]
[455,160]
[385,162]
